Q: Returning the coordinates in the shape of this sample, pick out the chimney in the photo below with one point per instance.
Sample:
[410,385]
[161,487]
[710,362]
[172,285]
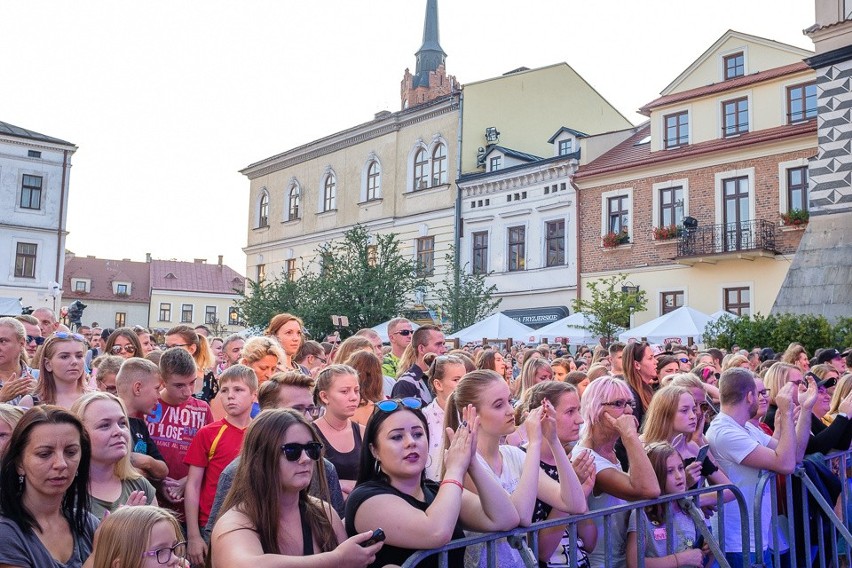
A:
[148,257]
[199,260]
[220,261]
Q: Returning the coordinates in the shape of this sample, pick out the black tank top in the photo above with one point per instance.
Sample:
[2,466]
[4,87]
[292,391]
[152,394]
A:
[345,464]
[307,537]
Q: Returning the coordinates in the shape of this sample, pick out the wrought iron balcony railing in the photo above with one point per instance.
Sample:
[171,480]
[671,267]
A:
[754,235]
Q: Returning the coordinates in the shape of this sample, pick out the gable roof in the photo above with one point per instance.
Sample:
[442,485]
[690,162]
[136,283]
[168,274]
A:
[576,133]
[101,273]
[18,132]
[798,52]
[517,154]
[175,275]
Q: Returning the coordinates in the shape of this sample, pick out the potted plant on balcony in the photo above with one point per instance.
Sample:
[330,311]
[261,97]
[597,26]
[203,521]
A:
[612,240]
[795,217]
[668,232]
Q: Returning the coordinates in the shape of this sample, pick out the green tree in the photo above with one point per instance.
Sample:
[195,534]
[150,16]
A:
[610,307]
[269,297]
[465,298]
[778,331]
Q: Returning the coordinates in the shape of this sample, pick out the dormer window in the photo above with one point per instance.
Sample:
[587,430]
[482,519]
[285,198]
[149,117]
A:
[121,288]
[494,163]
[734,65]
[81,285]
[566,146]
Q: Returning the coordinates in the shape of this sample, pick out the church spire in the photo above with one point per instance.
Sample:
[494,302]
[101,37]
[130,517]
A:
[430,79]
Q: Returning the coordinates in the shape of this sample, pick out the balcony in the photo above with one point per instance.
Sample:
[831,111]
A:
[746,240]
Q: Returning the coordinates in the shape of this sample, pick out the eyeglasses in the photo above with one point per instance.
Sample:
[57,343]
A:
[312,412]
[764,393]
[165,554]
[620,403]
[177,345]
[405,332]
[410,403]
[322,360]
[38,340]
[293,450]
[116,349]
[66,335]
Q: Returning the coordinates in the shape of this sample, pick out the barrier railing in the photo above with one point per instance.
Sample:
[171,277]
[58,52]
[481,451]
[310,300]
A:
[518,537]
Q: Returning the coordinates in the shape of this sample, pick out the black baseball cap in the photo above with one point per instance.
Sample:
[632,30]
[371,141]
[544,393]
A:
[828,355]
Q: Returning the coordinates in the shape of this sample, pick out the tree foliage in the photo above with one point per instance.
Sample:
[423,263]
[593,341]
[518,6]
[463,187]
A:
[778,331]
[464,297]
[362,276]
[609,307]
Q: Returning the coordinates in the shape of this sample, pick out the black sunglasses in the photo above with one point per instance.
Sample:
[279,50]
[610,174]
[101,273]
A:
[390,405]
[405,332]
[38,340]
[293,450]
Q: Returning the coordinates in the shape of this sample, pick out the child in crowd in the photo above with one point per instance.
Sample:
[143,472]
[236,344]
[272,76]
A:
[213,448]
[671,475]
[175,421]
[159,540]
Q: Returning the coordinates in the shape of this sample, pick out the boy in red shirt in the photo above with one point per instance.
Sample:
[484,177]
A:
[213,448]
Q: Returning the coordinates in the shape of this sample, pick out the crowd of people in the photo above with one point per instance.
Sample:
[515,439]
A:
[122,450]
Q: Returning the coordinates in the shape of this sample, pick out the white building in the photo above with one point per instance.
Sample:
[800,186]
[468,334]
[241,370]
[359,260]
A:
[34,181]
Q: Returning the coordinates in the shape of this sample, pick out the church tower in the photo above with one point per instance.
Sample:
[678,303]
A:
[430,80]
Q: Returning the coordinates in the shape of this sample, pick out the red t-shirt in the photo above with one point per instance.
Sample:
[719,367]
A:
[227,448]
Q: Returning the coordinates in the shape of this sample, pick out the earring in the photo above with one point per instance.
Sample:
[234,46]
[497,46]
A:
[428,461]
[378,468]
[21,483]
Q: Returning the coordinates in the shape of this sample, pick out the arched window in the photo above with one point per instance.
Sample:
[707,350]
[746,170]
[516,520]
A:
[293,203]
[374,181]
[439,165]
[263,212]
[329,194]
[421,174]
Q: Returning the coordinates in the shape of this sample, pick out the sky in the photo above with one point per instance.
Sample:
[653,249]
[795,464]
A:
[167,100]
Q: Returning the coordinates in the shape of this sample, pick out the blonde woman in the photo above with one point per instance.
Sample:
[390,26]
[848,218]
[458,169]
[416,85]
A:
[62,373]
[113,482]
[776,377]
[798,356]
[732,360]
[9,417]
[262,355]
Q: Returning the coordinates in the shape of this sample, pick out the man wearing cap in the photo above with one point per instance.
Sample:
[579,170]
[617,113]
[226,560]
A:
[833,358]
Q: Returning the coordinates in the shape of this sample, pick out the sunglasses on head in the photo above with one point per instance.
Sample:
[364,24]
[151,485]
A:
[38,340]
[116,349]
[293,450]
[66,335]
[394,404]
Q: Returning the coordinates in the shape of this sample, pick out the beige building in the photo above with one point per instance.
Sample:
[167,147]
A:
[699,207]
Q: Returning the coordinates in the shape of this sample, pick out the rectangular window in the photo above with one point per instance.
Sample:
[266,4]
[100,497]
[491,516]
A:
[290,268]
[165,312]
[618,214]
[801,102]
[480,253]
[555,243]
[25,260]
[426,256]
[517,248]
[495,163]
[31,192]
[737,301]
[80,286]
[210,315]
[670,301]
[734,65]
[33,154]
[677,129]
[186,313]
[671,206]
[233,316]
[565,146]
[797,189]
[735,117]
[261,272]
[121,289]
[120,319]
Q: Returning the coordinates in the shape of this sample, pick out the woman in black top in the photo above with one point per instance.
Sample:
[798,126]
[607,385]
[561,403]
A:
[425,514]
[268,513]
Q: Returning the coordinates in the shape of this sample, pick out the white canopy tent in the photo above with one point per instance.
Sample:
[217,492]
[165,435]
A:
[573,329]
[382,330]
[681,325]
[496,326]
[716,316]
[10,306]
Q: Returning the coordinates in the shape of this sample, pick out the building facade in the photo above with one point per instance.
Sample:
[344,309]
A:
[116,293]
[705,205]
[34,192]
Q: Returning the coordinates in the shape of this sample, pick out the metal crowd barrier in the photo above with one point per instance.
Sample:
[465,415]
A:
[815,552]
[519,537]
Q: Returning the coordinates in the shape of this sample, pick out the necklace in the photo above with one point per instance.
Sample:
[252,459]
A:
[332,426]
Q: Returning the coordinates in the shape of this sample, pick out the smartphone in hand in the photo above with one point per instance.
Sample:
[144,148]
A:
[377,536]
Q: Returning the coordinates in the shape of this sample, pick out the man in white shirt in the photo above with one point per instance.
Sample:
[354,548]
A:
[743,451]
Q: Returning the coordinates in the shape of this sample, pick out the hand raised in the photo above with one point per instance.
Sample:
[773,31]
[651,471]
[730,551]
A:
[784,398]
[810,396]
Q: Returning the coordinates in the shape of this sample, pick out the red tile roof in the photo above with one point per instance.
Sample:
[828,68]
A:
[728,85]
[628,154]
[102,273]
[194,277]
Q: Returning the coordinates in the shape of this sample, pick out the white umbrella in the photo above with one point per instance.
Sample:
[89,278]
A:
[382,330]
[716,316]
[678,326]
[571,329]
[496,326]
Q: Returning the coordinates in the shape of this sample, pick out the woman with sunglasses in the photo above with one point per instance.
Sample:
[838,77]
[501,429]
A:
[123,342]
[425,514]
[268,514]
[62,374]
[607,410]
[338,390]
[15,375]
[518,471]
[838,435]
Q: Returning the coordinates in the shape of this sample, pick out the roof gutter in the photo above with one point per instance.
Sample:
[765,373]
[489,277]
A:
[60,250]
